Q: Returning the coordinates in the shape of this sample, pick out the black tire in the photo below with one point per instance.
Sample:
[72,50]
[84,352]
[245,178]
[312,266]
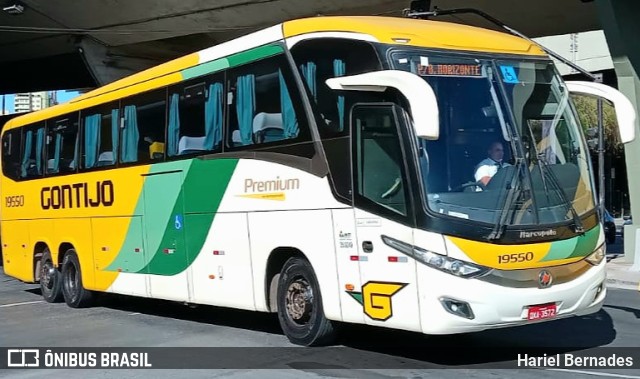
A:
[75,295]
[611,235]
[303,322]
[50,279]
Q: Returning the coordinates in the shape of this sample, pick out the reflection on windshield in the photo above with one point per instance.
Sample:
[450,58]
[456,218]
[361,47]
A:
[493,115]
[551,137]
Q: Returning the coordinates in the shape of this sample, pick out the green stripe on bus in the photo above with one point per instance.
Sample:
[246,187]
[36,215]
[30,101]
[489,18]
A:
[231,61]
[561,249]
[203,189]
[153,229]
[254,54]
[205,68]
[579,246]
[586,243]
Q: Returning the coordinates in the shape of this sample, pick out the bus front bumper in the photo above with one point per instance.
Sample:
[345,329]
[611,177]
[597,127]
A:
[496,306]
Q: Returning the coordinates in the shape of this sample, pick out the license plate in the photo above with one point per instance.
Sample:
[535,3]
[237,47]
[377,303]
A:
[539,312]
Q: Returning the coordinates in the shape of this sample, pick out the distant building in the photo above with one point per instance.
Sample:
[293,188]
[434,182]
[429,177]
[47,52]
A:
[589,50]
[29,102]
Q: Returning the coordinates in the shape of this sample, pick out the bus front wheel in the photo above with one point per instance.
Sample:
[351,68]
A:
[49,279]
[300,309]
[75,295]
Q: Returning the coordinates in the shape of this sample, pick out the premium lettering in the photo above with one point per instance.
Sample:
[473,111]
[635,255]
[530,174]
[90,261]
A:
[278,184]
[78,195]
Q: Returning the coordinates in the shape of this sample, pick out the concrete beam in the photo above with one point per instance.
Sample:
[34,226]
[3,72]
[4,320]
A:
[105,66]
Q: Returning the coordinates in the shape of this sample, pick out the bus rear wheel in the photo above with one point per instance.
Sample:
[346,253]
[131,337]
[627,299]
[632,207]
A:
[300,309]
[75,295]
[50,279]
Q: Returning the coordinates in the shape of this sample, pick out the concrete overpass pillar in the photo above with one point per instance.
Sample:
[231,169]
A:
[619,19]
[107,67]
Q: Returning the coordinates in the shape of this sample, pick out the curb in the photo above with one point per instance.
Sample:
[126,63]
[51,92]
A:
[622,284]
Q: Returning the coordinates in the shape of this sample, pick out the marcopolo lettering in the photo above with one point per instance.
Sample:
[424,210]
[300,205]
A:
[539,233]
[78,195]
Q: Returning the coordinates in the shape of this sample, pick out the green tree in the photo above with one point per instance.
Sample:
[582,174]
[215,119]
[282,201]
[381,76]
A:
[587,109]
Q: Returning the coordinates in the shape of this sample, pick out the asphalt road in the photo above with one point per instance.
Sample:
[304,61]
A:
[115,321]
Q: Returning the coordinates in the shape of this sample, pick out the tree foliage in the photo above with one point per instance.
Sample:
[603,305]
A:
[587,109]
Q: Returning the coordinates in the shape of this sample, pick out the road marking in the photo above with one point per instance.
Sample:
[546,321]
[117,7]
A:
[607,374]
[25,303]
[134,314]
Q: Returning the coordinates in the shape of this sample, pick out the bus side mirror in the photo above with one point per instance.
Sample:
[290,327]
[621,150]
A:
[419,94]
[625,112]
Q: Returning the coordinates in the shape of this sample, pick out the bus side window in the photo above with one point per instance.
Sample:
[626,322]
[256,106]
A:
[322,59]
[101,134]
[196,116]
[32,162]
[379,175]
[11,142]
[142,137]
[264,106]
[62,144]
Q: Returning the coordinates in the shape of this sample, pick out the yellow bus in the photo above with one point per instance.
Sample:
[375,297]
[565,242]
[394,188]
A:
[401,173]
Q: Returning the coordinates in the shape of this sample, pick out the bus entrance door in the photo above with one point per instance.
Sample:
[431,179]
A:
[383,210]
[389,293]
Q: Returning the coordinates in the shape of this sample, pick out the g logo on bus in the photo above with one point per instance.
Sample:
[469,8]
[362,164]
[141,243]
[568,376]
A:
[376,298]
[545,279]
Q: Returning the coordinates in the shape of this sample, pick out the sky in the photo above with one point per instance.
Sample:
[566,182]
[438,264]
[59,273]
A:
[63,97]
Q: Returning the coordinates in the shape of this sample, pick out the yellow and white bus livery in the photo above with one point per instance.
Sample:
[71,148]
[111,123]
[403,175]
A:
[323,169]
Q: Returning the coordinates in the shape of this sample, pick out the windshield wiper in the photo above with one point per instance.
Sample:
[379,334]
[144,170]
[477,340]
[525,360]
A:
[514,190]
[579,227]
[545,171]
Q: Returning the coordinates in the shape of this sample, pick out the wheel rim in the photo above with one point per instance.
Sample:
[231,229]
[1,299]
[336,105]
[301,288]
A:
[299,301]
[47,274]
[71,280]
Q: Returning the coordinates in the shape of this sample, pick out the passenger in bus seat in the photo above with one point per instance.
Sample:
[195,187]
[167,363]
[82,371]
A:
[488,167]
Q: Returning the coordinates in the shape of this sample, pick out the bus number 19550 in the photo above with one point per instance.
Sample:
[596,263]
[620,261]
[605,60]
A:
[14,201]
[515,258]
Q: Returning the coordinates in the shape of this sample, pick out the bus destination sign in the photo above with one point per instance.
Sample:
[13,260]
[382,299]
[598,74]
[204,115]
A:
[450,70]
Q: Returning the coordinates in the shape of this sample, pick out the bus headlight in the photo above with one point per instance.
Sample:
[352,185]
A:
[438,261]
[598,255]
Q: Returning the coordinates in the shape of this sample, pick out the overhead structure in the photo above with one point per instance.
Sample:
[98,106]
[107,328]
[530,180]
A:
[79,44]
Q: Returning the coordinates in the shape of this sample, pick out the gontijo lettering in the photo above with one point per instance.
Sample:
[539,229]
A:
[78,195]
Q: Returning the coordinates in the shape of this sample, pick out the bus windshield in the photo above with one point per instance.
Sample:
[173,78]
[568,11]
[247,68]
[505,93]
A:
[509,141]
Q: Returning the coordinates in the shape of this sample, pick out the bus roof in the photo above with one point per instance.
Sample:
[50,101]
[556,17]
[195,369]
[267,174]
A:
[420,33]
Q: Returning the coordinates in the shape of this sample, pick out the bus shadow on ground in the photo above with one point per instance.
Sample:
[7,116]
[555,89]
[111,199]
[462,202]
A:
[633,311]
[362,346]
[206,314]
[488,347]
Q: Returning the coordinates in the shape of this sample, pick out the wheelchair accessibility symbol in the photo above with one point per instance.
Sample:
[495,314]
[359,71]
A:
[509,75]
[178,222]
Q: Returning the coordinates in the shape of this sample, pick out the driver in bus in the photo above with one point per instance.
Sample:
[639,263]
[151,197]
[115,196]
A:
[488,167]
